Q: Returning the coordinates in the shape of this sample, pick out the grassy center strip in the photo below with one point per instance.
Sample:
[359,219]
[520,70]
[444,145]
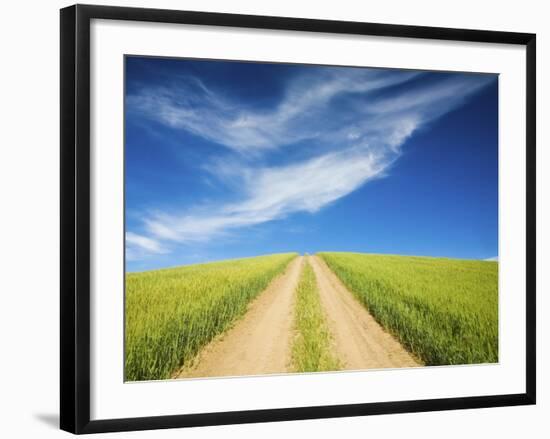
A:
[172,313]
[311,351]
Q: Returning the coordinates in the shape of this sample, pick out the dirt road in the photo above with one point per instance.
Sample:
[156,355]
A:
[259,343]
[360,342]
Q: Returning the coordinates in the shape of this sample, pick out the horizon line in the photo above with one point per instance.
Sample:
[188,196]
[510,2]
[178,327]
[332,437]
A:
[491,259]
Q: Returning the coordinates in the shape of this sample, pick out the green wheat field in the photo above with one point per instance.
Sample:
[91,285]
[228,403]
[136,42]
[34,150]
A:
[444,311]
[172,313]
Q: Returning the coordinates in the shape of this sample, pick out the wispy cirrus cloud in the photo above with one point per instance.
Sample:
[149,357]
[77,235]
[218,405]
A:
[355,121]
[138,246]
[191,106]
[274,193]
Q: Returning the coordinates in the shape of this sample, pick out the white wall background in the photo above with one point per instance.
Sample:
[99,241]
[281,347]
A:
[29,206]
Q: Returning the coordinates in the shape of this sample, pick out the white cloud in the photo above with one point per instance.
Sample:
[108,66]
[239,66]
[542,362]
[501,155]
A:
[494,258]
[193,107]
[274,193]
[358,141]
[139,245]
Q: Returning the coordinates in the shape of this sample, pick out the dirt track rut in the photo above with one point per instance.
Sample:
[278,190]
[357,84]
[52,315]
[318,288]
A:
[360,342]
[259,343]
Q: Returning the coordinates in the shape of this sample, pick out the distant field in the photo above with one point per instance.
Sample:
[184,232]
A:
[172,313]
[443,310]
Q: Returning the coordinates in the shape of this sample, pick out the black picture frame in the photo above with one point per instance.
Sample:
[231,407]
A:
[75,217]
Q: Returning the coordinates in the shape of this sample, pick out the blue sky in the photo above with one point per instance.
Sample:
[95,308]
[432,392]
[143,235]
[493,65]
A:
[235,159]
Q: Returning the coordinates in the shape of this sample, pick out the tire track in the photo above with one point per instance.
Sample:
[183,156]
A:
[259,343]
[360,342]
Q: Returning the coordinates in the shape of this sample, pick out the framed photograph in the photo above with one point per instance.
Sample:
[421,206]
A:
[268,218]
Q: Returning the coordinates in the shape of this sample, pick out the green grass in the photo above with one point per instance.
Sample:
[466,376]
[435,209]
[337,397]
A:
[172,313]
[311,351]
[443,310]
